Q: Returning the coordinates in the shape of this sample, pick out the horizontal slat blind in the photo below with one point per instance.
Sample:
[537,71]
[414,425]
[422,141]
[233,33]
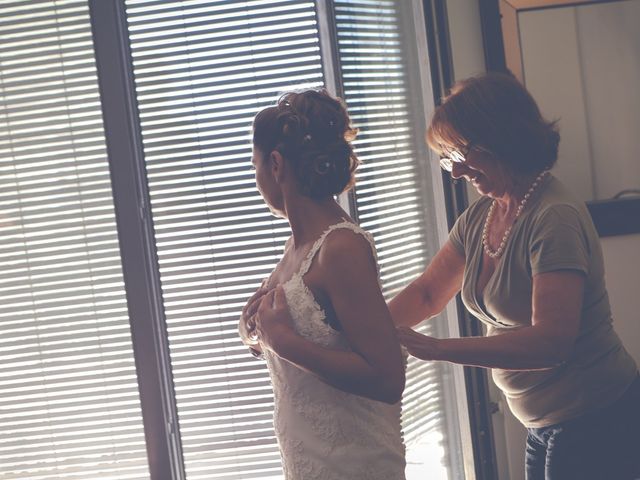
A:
[202,71]
[391,203]
[69,403]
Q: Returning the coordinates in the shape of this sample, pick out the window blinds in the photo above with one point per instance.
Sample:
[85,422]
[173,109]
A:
[202,70]
[69,403]
[390,200]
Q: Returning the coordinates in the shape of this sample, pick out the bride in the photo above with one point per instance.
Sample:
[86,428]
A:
[320,320]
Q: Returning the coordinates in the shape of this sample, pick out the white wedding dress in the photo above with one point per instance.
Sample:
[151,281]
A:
[325,433]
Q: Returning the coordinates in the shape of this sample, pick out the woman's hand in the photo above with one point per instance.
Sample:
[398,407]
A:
[274,325]
[418,345]
[247,324]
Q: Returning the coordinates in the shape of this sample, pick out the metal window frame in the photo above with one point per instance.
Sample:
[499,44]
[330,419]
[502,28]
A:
[325,13]
[479,406]
[136,238]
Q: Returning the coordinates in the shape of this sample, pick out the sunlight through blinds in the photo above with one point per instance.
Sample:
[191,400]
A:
[69,403]
[390,200]
[202,70]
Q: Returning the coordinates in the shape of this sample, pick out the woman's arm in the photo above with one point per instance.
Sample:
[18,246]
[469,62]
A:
[375,367]
[556,302]
[427,295]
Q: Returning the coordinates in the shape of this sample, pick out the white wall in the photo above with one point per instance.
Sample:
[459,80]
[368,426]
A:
[622,264]
[609,40]
[582,65]
[553,75]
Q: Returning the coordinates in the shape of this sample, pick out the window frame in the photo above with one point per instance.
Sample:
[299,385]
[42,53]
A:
[135,232]
[479,455]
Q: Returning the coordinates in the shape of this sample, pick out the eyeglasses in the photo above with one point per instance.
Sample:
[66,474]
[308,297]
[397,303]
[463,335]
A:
[453,156]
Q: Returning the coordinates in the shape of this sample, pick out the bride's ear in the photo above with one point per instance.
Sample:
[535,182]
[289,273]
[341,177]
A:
[278,166]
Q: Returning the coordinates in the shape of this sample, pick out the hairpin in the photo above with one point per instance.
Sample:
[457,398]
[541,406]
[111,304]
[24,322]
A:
[323,167]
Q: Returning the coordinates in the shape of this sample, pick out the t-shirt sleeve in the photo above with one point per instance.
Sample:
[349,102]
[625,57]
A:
[467,223]
[456,235]
[559,242]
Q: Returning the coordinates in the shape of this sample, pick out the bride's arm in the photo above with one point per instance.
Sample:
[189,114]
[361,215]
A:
[375,366]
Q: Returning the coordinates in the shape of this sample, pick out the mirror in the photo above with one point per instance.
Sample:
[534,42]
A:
[581,62]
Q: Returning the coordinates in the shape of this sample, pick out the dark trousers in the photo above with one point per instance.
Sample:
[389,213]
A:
[603,445]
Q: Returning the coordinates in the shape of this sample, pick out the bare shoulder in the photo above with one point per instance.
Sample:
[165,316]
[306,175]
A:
[345,249]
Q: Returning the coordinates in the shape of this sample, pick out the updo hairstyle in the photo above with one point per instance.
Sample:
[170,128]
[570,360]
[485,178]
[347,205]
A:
[496,114]
[311,129]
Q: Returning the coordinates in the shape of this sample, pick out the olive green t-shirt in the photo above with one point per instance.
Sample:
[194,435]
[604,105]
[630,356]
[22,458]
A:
[554,232]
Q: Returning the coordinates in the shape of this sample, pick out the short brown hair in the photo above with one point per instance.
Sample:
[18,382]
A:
[312,130]
[495,113]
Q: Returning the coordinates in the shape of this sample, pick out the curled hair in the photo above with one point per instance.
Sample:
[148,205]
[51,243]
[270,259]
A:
[312,130]
[495,113]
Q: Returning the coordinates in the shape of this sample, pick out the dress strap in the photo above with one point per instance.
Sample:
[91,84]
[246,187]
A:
[306,264]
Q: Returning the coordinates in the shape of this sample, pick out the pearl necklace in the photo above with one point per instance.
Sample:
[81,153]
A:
[485,230]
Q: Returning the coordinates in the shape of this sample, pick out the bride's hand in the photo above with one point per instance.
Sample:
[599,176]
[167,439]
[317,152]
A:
[247,324]
[274,324]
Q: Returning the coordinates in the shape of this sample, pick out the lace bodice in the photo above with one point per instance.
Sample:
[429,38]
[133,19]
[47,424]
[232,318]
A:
[325,433]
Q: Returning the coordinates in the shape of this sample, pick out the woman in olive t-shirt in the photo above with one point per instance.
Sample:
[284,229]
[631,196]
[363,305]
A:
[528,263]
